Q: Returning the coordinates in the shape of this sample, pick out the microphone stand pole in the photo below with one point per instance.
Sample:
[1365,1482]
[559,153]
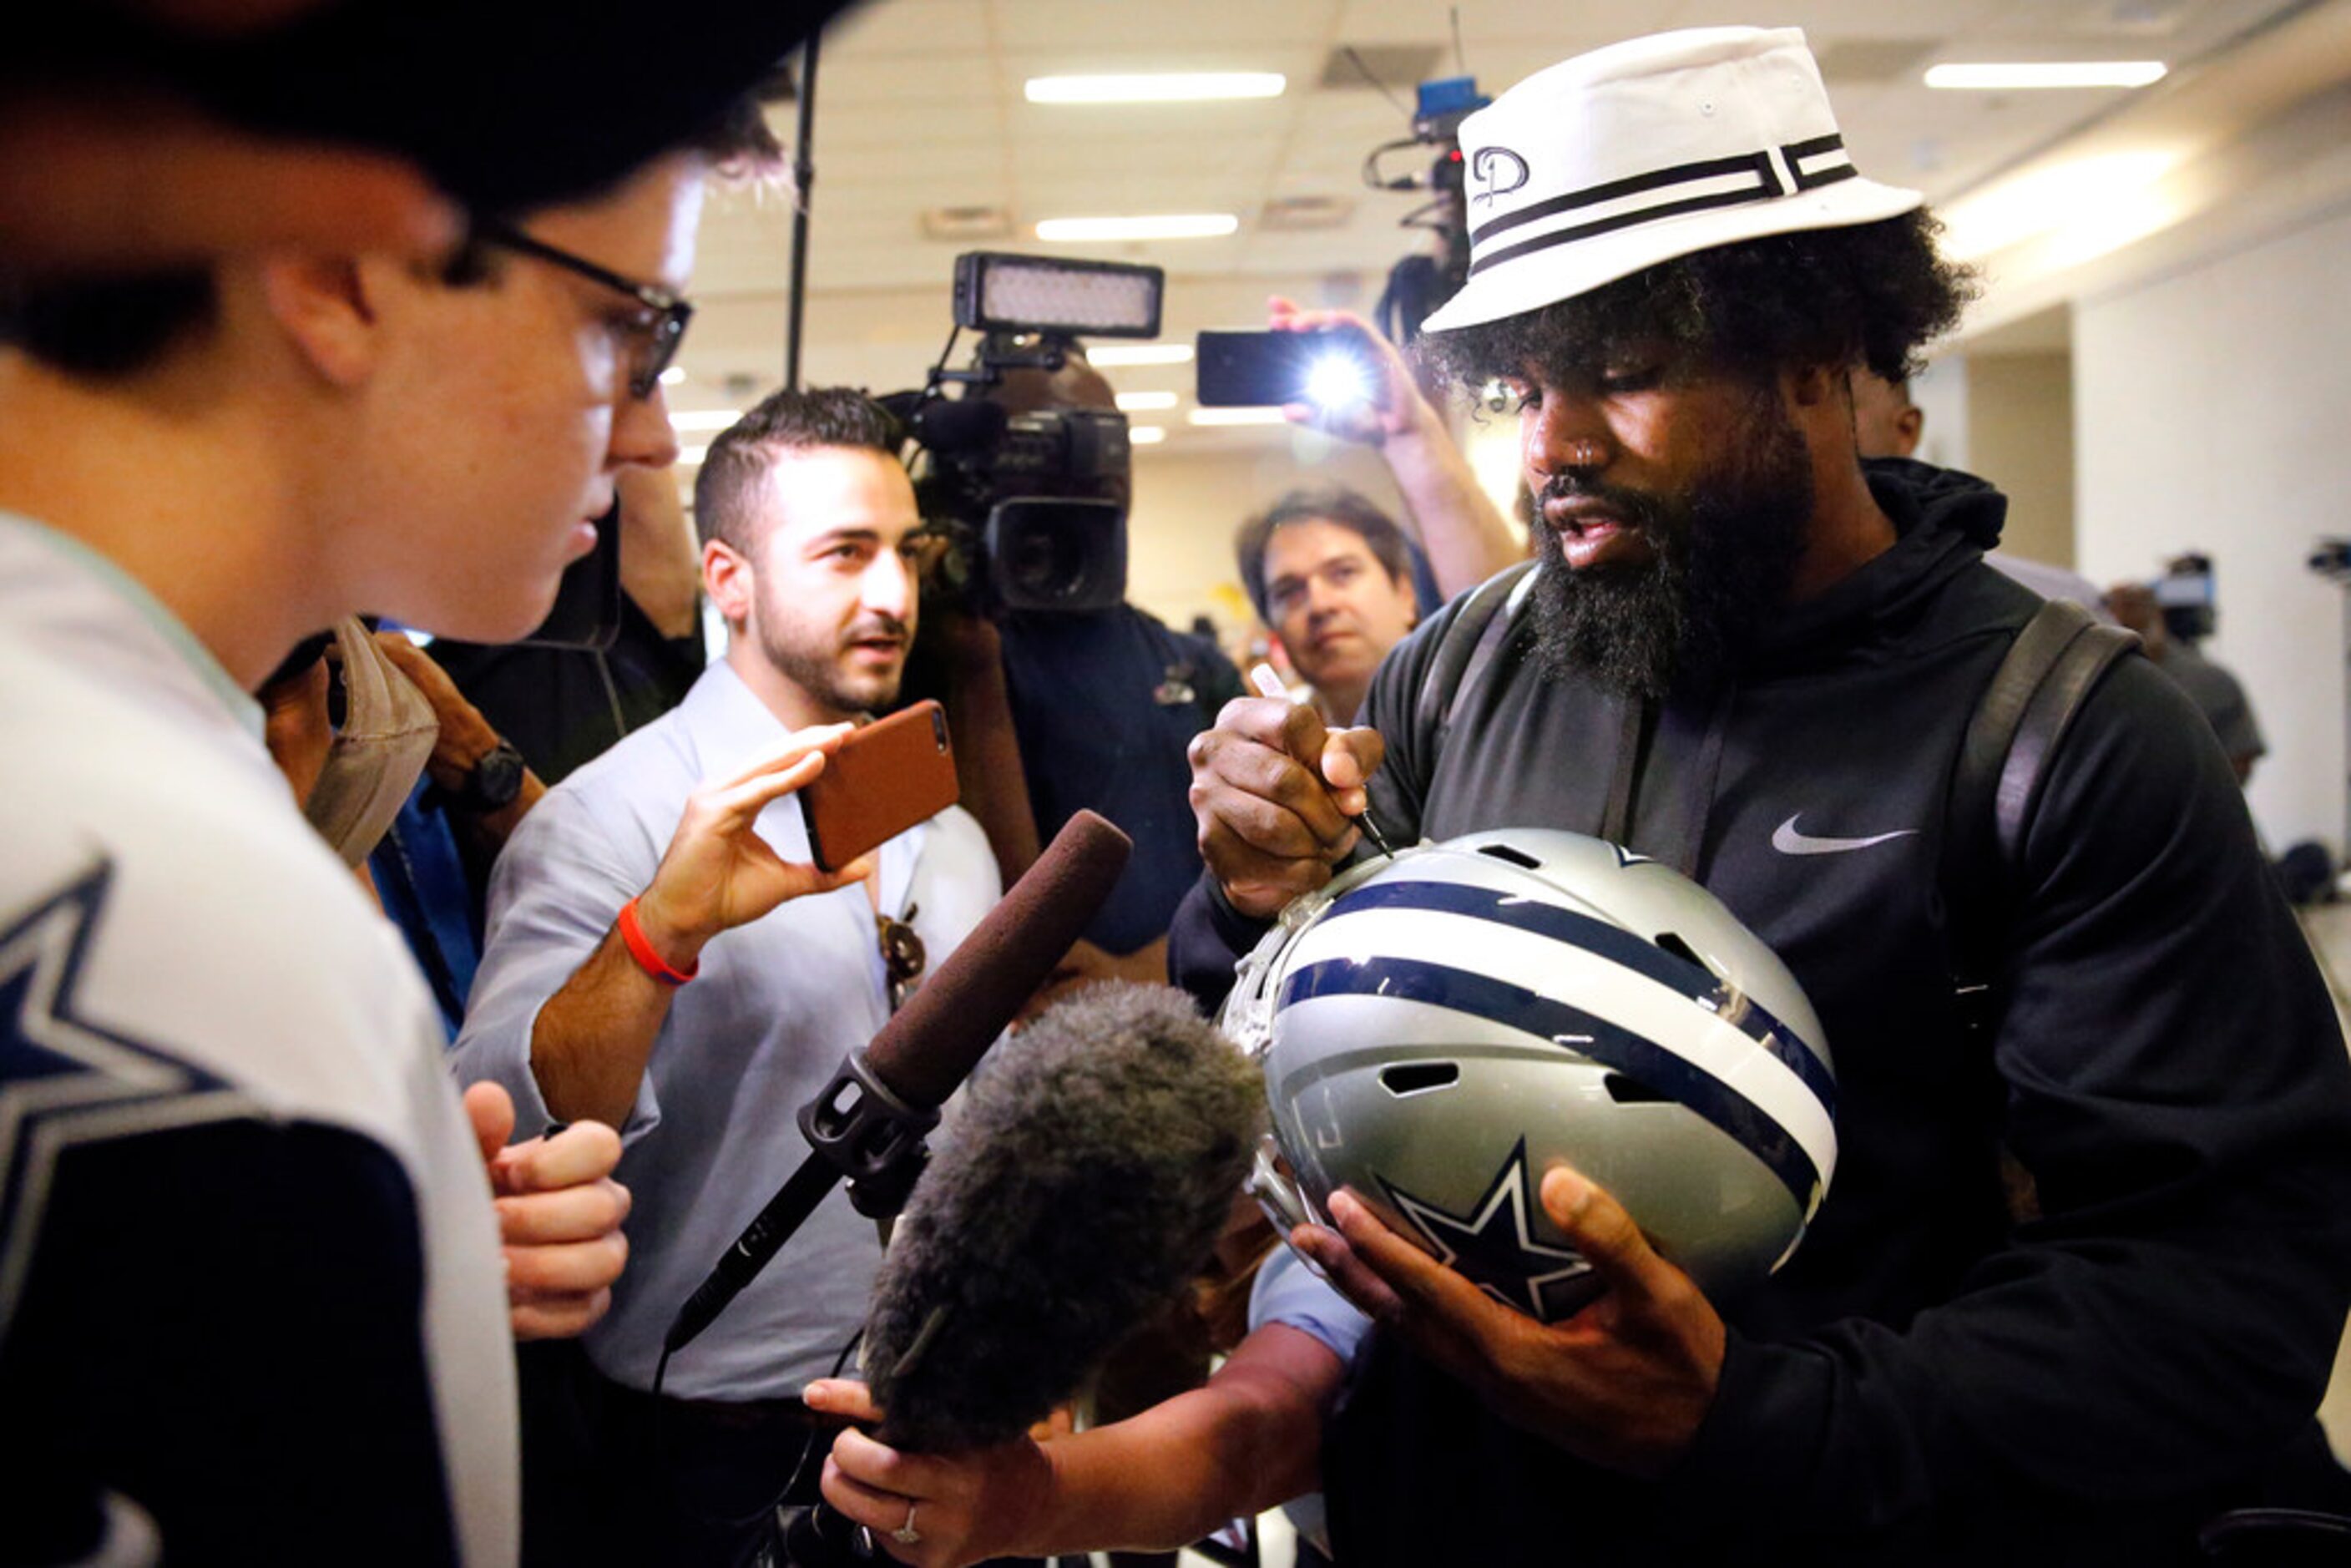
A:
[803,195]
[855,1128]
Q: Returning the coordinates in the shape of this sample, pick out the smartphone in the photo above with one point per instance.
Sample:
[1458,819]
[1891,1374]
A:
[1332,367]
[887,776]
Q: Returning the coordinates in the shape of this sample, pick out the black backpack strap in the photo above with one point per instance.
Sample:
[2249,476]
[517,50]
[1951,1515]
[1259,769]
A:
[2003,766]
[1470,644]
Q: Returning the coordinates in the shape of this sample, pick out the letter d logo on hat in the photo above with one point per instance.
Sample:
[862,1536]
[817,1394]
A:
[1599,166]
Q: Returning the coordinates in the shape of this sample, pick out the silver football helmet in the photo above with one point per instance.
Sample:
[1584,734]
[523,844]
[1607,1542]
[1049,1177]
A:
[1437,1029]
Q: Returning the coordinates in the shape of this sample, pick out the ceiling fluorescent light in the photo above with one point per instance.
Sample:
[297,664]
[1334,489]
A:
[1099,355]
[2045,73]
[1143,402]
[1235,416]
[1170,226]
[671,376]
[692,456]
[1147,435]
[1165,86]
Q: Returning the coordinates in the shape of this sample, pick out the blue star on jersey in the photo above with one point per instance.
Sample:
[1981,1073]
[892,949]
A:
[1493,1247]
[65,1081]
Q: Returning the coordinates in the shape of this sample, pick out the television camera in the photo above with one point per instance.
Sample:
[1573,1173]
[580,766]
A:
[1032,503]
[1421,282]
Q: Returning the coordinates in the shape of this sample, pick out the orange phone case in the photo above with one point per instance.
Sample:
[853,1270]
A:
[887,776]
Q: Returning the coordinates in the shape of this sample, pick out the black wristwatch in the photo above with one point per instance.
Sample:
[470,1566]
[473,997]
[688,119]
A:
[494,781]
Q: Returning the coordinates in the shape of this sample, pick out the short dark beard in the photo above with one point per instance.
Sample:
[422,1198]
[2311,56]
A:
[819,673]
[1724,556]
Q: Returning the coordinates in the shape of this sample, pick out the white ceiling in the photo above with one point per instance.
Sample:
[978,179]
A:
[919,106]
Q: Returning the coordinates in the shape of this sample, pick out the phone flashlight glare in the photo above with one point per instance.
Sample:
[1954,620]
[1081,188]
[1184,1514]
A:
[1338,381]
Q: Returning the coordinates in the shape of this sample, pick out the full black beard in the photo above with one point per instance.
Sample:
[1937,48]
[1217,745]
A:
[1724,555]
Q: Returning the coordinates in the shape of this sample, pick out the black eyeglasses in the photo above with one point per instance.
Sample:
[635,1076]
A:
[658,342]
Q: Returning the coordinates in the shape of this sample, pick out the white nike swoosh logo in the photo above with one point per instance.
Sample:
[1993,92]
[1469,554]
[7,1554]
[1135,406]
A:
[1788,842]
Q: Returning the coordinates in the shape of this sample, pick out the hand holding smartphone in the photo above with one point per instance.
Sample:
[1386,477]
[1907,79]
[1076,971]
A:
[884,777]
[1330,368]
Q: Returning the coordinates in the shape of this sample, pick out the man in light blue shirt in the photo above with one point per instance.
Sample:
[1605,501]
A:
[661,956]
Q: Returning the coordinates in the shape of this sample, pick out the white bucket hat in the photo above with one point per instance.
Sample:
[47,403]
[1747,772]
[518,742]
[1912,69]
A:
[1599,166]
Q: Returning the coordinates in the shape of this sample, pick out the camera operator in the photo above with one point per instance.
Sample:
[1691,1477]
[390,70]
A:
[2170,634]
[1097,707]
[1100,704]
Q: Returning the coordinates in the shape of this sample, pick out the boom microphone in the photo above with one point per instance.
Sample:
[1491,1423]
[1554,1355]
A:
[1084,1179]
[925,1052]
[929,1045]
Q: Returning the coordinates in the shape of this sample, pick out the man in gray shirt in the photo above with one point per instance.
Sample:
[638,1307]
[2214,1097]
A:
[660,957]
[2216,693]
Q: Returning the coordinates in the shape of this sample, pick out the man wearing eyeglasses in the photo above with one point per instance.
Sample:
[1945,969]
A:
[252,1306]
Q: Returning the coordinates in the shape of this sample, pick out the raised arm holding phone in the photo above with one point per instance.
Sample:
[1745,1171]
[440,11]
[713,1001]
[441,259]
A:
[1455,520]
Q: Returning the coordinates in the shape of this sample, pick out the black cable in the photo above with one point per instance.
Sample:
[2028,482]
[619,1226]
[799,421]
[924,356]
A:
[812,1446]
[931,382]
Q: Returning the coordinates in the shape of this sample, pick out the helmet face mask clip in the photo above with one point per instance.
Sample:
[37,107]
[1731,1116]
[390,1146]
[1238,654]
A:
[1440,1029]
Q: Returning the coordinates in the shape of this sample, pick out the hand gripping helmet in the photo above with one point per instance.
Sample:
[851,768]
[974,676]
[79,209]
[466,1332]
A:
[1437,1029]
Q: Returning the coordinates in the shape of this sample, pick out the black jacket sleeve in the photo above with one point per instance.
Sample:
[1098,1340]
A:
[2177,1083]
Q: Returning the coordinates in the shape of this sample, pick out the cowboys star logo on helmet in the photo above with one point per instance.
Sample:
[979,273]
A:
[1439,1029]
[1495,1250]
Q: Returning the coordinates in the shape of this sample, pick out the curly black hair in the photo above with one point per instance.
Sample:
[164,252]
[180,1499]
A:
[1869,295]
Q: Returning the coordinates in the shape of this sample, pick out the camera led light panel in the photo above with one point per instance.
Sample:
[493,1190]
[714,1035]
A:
[1000,293]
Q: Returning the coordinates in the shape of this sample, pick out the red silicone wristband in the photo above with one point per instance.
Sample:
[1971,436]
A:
[632,937]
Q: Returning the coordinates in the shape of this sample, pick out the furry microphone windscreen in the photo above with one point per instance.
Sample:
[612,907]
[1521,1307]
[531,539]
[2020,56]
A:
[1082,1184]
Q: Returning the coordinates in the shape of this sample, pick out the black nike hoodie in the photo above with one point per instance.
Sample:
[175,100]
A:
[1927,1380]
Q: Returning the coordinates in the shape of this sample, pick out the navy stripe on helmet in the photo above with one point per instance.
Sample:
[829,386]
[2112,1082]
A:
[1614,943]
[1611,1045]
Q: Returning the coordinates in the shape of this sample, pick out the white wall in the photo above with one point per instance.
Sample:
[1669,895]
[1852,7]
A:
[1940,392]
[2020,435]
[2213,412]
[1187,505]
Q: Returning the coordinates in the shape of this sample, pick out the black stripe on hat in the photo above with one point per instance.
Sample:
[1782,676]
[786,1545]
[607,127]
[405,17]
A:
[1767,187]
[1623,220]
[1797,151]
[1756,163]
